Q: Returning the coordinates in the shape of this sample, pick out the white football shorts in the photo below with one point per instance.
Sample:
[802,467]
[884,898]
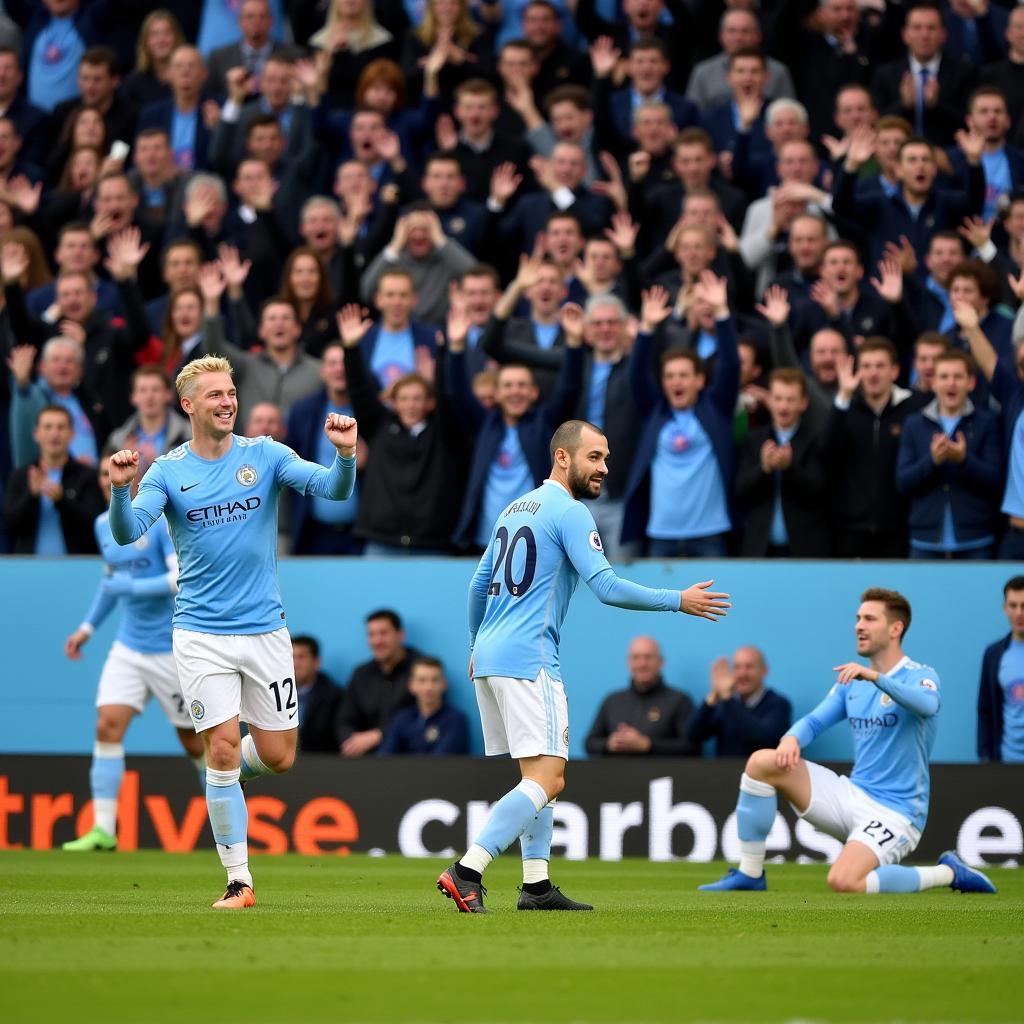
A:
[251,676]
[845,811]
[131,678]
[523,717]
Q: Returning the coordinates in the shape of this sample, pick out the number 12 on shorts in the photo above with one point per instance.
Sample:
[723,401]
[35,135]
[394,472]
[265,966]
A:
[289,687]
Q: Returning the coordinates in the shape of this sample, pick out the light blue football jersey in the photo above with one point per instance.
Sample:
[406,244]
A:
[222,515]
[541,546]
[145,618]
[894,723]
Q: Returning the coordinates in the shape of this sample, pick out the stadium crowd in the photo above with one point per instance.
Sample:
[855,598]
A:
[774,252]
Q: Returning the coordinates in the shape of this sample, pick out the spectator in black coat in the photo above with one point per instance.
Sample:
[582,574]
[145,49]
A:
[50,505]
[646,718]
[377,688]
[781,479]
[320,699]
[1001,690]
[419,451]
[862,441]
[29,122]
[740,713]
[927,87]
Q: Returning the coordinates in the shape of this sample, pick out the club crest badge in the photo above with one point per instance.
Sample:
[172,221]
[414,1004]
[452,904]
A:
[247,475]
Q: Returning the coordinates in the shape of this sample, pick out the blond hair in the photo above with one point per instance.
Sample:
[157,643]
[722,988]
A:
[188,379]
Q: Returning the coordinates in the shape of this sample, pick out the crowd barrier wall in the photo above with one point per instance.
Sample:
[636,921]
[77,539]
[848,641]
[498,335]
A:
[659,809]
[800,614]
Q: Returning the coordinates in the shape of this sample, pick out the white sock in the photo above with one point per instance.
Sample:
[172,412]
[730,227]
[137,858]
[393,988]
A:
[535,870]
[476,858]
[755,787]
[104,814]
[252,767]
[937,877]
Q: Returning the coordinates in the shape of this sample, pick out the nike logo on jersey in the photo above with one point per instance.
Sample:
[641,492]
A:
[189,488]
[292,715]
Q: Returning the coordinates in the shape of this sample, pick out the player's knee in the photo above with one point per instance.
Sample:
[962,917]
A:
[761,764]
[109,729]
[554,786]
[223,753]
[280,761]
[843,880]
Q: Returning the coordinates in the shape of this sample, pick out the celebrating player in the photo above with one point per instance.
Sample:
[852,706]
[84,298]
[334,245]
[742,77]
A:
[234,656]
[880,810]
[140,664]
[541,546]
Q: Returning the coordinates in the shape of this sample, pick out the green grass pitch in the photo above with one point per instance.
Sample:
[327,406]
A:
[129,937]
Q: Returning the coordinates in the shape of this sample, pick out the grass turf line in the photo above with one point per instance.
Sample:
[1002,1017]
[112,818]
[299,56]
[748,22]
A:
[130,937]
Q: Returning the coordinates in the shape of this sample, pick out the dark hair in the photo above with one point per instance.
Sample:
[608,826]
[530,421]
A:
[181,242]
[689,354]
[53,407]
[694,137]
[983,276]
[567,436]
[931,338]
[75,227]
[100,56]
[986,90]
[309,642]
[650,43]
[948,236]
[958,355]
[842,243]
[324,298]
[277,300]
[426,661]
[385,613]
[1014,583]
[440,157]
[577,95]
[152,133]
[564,215]
[748,51]
[261,121]
[481,270]
[877,343]
[897,607]
[151,371]
[915,140]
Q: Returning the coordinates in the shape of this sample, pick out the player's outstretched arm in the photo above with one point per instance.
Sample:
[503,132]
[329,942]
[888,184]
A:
[129,520]
[705,604]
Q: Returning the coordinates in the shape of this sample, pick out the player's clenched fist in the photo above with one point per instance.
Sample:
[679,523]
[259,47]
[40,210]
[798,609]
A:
[123,467]
[342,432]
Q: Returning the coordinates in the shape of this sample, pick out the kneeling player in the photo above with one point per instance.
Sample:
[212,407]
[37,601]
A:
[880,810]
[140,664]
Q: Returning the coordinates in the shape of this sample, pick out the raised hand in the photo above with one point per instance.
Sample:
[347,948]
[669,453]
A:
[20,362]
[703,603]
[976,231]
[837,148]
[622,234]
[445,133]
[199,206]
[965,315]
[972,144]
[775,307]
[211,114]
[767,457]
[903,253]
[614,188]
[604,57]
[713,290]
[654,308]
[505,182]
[825,296]
[124,465]
[956,448]
[748,109]
[342,432]
[239,83]
[353,323]
[861,148]
[639,165]
[847,376]
[73,331]
[1016,286]
[722,679]
[726,234]
[233,269]
[543,171]
[458,321]
[212,285]
[389,147]
[24,194]
[14,262]
[889,283]
[125,251]
[570,316]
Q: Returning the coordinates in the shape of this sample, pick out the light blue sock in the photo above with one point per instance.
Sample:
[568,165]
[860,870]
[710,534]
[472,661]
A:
[252,767]
[511,815]
[893,878]
[225,801]
[755,815]
[536,838]
[105,780]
